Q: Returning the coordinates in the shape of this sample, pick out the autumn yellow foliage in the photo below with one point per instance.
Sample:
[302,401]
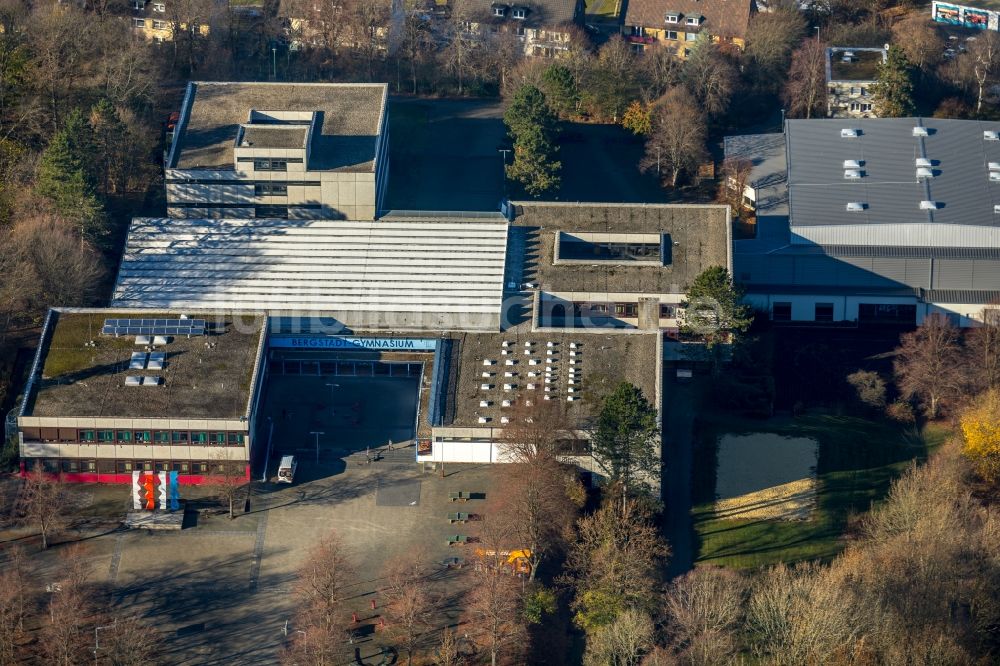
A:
[981,430]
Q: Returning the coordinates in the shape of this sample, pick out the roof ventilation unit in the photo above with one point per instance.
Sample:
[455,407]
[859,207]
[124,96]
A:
[852,164]
[849,133]
[920,131]
[996,208]
[924,172]
[995,176]
[928,205]
[852,174]
[991,135]
[994,166]
[855,206]
[924,162]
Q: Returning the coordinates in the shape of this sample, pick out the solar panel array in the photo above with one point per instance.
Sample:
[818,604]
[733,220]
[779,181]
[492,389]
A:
[186,327]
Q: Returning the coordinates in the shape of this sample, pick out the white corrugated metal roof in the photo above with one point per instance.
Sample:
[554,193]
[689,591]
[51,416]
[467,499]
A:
[326,266]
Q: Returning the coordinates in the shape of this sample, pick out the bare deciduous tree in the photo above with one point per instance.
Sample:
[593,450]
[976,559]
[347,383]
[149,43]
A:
[41,503]
[928,363]
[615,561]
[983,351]
[805,93]
[409,603]
[65,638]
[705,612]
[537,429]
[536,507]
[230,472]
[448,653]
[128,641]
[622,642]
[980,64]
[677,143]
[494,607]
[15,598]
[735,178]
[321,625]
[918,37]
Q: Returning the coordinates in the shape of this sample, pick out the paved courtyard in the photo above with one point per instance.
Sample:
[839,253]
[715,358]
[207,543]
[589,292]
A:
[221,591]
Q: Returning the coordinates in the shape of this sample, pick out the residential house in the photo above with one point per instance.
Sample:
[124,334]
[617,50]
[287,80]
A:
[150,18]
[546,27]
[677,24]
[850,74]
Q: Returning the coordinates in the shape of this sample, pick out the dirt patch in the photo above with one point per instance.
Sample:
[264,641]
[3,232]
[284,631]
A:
[789,501]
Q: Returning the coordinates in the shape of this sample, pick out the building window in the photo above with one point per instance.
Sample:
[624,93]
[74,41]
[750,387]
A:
[88,465]
[270,189]
[124,436]
[520,13]
[70,466]
[627,310]
[280,212]
[857,106]
[824,312]
[217,438]
[137,5]
[179,437]
[690,36]
[671,18]
[199,467]
[159,7]
[668,311]
[670,34]
[142,436]
[86,435]
[781,312]
[125,466]
[104,436]
[199,438]
[161,436]
[181,467]
[583,249]
[499,11]
[138,23]
[693,20]
[145,465]
[160,25]
[235,439]
[162,465]
[270,165]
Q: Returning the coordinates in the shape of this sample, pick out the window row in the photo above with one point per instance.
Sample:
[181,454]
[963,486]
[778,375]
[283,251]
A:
[627,310]
[158,437]
[108,466]
[281,164]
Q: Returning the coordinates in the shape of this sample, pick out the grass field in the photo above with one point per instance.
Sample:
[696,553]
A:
[603,8]
[858,459]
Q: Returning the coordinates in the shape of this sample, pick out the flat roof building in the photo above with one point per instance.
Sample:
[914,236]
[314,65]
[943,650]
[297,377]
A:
[279,150]
[888,220]
[102,403]
[850,75]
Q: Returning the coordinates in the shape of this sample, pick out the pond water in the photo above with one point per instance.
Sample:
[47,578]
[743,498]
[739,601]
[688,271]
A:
[750,462]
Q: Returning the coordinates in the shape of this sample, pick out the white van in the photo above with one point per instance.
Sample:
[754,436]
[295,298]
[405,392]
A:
[286,470]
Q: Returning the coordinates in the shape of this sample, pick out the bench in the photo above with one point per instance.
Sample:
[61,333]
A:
[458,517]
[457,539]
[460,496]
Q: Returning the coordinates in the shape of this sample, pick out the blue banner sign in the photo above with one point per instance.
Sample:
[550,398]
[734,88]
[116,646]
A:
[348,343]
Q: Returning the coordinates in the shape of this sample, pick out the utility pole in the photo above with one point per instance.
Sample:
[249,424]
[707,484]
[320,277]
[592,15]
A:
[317,434]
[274,63]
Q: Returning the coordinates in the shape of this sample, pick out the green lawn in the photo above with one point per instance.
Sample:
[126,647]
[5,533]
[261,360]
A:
[603,8]
[858,459]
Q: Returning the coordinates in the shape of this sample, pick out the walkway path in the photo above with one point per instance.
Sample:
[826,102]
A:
[679,404]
